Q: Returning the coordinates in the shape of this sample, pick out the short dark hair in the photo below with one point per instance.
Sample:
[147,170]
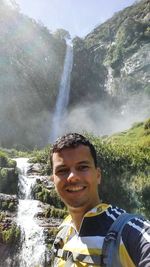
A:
[72,140]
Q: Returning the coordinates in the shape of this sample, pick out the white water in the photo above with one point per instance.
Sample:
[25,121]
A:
[58,123]
[109,84]
[33,246]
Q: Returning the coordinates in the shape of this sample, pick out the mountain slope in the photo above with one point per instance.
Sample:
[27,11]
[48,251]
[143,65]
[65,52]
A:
[111,71]
[116,54]
[31,65]
[137,135]
[110,79]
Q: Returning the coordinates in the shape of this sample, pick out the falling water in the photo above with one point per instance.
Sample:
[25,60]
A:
[58,123]
[33,247]
[109,84]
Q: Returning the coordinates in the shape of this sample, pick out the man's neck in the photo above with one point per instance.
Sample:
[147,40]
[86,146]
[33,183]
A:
[77,215]
[77,218]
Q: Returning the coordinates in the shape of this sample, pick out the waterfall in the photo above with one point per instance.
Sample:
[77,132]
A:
[58,122]
[32,252]
[109,84]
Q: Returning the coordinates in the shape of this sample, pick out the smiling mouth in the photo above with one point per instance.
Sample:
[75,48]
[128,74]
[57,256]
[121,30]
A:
[75,189]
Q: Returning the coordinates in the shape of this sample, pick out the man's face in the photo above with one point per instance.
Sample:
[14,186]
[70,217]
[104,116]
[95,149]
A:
[76,178]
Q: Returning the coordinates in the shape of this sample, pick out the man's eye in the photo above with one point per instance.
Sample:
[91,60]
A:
[62,171]
[83,167]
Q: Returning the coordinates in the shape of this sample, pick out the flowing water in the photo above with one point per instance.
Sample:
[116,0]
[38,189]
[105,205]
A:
[58,123]
[33,246]
[109,84]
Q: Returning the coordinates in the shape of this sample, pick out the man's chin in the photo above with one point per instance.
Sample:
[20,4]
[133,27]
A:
[76,205]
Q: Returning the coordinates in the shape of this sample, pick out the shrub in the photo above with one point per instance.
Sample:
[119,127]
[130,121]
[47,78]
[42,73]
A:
[3,160]
[47,195]
[147,124]
[137,124]
[56,213]
[4,173]
[8,181]
[146,199]
[11,235]
[12,163]
[120,164]
[11,206]
[4,205]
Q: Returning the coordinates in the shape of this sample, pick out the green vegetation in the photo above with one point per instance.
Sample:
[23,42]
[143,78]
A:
[32,63]
[128,37]
[138,136]
[8,203]
[11,235]
[8,174]
[42,156]
[50,237]
[9,232]
[147,128]
[31,66]
[125,162]
[5,161]
[124,159]
[120,44]
[14,153]
[55,212]
[47,196]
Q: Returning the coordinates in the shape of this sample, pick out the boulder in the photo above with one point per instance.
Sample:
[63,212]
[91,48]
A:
[8,202]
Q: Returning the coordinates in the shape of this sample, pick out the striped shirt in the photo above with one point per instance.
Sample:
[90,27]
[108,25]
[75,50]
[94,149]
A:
[134,247]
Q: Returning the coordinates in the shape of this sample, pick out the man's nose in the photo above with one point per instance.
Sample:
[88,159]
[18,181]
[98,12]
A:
[73,176]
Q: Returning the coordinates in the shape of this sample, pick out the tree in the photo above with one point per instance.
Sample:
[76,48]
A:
[61,34]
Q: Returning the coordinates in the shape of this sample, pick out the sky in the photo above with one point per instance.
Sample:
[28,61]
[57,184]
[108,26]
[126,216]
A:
[79,17]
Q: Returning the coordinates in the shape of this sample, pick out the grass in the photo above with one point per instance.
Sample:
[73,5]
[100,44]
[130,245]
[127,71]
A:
[135,136]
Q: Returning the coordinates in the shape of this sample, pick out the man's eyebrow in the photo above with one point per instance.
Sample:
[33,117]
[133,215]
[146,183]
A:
[84,162]
[60,166]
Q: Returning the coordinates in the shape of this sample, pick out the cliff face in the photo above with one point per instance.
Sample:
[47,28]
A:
[110,77]
[115,56]
[30,69]
[112,63]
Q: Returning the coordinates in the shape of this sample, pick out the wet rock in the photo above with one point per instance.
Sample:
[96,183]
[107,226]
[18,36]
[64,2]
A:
[35,169]
[9,255]
[8,202]
[8,181]
[8,197]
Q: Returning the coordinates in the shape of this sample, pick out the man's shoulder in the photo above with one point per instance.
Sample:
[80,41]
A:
[65,226]
[137,225]
[66,222]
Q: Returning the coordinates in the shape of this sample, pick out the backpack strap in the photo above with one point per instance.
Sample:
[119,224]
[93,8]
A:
[70,257]
[110,250]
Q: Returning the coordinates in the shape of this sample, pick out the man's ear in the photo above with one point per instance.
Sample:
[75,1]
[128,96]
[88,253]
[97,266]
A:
[51,178]
[99,175]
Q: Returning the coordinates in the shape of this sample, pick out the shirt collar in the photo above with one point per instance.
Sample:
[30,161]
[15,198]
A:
[100,208]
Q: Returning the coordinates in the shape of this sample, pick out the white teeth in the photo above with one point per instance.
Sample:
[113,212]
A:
[74,189]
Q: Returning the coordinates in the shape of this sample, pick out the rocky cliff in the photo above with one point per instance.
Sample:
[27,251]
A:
[30,69]
[110,80]
[115,56]
[111,71]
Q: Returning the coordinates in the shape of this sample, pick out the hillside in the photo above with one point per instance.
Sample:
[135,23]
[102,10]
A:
[115,55]
[124,159]
[137,135]
[31,65]
[111,72]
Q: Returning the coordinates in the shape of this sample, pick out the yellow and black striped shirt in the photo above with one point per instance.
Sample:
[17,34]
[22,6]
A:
[134,245]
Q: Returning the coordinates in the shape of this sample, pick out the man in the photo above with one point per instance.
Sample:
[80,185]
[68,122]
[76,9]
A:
[80,240]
